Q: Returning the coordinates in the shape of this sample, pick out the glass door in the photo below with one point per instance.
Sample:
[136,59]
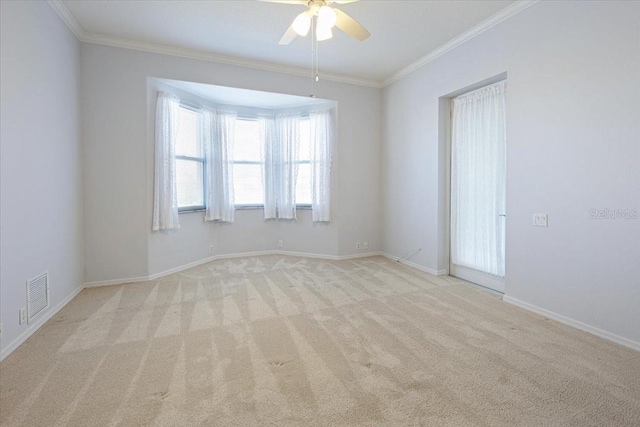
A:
[478,178]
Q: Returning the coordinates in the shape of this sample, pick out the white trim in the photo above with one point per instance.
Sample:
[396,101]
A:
[183,267]
[485,25]
[486,280]
[309,255]
[204,261]
[416,266]
[530,307]
[115,282]
[259,253]
[356,256]
[33,327]
[573,323]
[63,12]
[444,140]
[327,257]
[220,59]
[52,312]
[86,37]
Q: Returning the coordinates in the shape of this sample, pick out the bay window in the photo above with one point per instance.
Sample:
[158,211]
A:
[219,161]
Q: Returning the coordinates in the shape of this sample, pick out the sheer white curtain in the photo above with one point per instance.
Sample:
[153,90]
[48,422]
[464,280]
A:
[269,172]
[165,194]
[478,179]
[321,136]
[282,139]
[218,133]
[283,166]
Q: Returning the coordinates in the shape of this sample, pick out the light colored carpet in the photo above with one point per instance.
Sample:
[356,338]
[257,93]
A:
[283,341]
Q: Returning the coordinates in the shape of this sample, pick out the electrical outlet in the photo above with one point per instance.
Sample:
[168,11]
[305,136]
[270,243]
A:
[358,245]
[280,244]
[365,245]
[211,249]
[23,315]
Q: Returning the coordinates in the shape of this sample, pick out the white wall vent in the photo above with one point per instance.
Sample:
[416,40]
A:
[37,294]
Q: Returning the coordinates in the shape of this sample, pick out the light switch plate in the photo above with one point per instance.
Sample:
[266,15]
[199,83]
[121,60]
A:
[540,220]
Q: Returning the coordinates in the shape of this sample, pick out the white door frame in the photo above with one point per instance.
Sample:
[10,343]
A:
[494,283]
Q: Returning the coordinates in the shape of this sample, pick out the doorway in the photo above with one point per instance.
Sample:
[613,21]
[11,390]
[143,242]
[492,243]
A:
[478,186]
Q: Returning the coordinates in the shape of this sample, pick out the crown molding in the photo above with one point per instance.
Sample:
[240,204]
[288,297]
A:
[67,17]
[61,9]
[63,12]
[491,22]
[220,59]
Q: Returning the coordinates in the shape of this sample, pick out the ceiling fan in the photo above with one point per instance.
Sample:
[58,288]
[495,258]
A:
[326,18]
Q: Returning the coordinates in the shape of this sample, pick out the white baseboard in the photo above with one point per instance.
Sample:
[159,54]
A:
[114,282]
[530,307]
[53,311]
[259,253]
[416,266]
[227,256]
[573,323]
[33,327]
[356,256]
[328,257]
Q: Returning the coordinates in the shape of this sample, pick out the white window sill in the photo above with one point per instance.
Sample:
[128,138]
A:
[243,208]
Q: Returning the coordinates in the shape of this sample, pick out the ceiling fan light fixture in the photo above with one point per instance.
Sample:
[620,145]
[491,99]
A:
[301,24]
[323,33]
[327,17]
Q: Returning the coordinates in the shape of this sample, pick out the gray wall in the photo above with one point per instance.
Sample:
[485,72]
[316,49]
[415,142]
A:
[118,157]
[573,144]
[41,176]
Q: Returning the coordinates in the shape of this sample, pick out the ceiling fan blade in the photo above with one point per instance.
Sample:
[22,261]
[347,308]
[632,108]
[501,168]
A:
[351,26]
[288,36]
[343,1]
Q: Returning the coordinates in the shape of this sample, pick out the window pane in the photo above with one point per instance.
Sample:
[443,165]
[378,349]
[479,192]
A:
[303,184]
[189,177]
[304,152]
[247,184]
[188,140]
[247,145]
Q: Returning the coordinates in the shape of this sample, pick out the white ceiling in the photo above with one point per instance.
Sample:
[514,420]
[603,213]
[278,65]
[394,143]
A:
[402,32]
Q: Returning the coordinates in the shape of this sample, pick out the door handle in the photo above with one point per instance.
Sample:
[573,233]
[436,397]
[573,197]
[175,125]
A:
[502,215]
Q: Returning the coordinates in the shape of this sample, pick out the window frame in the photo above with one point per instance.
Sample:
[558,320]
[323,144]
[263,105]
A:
[304,205]
[307,117]
[202,160]
[249,162]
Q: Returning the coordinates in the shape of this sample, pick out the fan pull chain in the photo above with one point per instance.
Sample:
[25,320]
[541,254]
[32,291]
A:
[317,61]
[314,57]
